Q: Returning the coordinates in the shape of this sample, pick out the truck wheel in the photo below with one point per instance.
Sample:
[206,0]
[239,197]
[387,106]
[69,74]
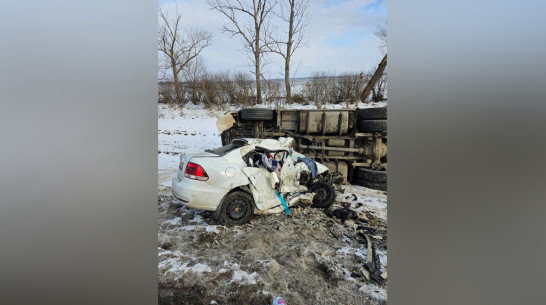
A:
[236,209]
[325,195]
[225,138]
[372,185]
[378,113]
[256,114]
[372,125]
[371,175]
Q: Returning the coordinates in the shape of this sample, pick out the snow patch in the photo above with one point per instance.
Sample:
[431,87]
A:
[244,277]
[197,219]
[174,221]
[348,276]
[166,183]
[374,292]
[369,200]
[211,228]
[189,227]
[241,275]
[179,270]
[362,253]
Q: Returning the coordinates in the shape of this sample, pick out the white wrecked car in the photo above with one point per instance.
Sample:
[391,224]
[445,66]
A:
[233,181]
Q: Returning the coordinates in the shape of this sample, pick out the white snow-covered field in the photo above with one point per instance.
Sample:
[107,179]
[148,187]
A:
[190,129]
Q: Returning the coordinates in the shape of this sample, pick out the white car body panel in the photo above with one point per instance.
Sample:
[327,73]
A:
[290,177]
[197,194]
[262,186]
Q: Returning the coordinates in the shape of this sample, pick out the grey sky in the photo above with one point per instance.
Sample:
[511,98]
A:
[340,35]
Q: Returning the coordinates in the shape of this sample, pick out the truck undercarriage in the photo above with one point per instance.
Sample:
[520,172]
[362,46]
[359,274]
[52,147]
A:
[350,141]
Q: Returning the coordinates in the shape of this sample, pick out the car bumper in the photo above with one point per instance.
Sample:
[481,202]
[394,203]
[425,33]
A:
[197,194]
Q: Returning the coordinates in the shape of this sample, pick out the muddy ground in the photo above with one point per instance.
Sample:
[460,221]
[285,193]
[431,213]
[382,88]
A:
[306,257]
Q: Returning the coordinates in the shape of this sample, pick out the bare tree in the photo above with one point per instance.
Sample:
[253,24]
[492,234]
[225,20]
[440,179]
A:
[321,89]
[243,82]
[249,20]
[381,33]
[375,78]
[179,48]
[380,90]
[295,13]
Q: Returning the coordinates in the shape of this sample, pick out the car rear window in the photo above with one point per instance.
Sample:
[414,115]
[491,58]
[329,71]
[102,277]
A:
[225,149]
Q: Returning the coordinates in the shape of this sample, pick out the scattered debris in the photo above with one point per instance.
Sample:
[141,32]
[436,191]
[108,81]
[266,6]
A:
[345,214]
[279,301]
[373,264]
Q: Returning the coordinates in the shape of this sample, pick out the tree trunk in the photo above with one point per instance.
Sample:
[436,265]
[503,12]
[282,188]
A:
[376,77]
[258,80]
[287,71]
[177,90]
[288,53]
[257,59]
[287,83]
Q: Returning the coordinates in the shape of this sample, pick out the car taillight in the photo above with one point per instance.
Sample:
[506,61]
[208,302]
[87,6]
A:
[196,172]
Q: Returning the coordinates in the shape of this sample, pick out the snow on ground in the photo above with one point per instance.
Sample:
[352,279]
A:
[371,200]
[190,129]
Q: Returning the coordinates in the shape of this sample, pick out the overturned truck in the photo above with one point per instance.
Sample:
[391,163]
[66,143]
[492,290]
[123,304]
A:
[350,141]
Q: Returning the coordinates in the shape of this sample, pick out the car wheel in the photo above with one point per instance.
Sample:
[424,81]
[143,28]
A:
[371,175]
[256,114]
[237,209]
[325,195]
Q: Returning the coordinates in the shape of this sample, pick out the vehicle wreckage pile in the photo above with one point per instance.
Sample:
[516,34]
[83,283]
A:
[312,256]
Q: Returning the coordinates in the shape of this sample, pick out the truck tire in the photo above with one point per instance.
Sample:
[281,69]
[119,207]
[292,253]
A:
[371,175]
[225,138]
[378,113]
[256,114]
[372,125]
[372,185]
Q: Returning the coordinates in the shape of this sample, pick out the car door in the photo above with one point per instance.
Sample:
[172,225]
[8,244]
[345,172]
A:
[262,186]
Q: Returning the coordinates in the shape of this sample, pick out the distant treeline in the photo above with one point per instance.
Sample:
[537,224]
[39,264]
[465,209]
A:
[217,90]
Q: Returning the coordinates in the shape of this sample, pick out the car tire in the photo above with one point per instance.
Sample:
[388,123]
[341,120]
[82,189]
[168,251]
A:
[378,113]
[325,195]
[371,175]
[372,185]
[372,125]
[256,114]
[237,208]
